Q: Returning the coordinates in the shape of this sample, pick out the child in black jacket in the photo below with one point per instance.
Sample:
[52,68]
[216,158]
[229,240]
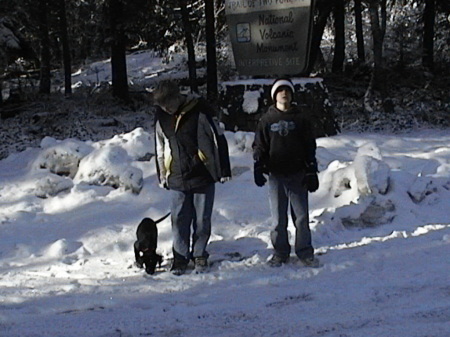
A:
[285,149]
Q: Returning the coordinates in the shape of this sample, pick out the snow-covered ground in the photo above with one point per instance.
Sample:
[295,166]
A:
[380,222]
[69,210]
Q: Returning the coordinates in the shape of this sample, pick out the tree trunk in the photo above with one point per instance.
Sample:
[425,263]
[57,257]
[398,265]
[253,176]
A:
[44,77]
[118,51]
[428,33]
[211,60]
[359,32]
[189,45]
[324,8]
[67,61]
[377,25]
[339,36]
[377,35]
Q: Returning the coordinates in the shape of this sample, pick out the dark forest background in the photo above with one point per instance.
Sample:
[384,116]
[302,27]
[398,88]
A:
[378,57]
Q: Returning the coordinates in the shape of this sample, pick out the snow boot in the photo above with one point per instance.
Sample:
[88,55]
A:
[278,260]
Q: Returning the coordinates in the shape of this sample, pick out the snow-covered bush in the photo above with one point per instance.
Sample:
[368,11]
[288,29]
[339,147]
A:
[110,166]
[137,143]
[62,157]
[51,184]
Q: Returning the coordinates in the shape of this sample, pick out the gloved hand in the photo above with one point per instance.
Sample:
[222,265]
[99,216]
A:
[258,174]
[312,182]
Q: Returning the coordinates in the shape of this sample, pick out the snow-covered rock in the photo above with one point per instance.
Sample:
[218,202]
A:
[104,163]
[420,188]
[250,104]
[368,174]
[369,212]
[358,186]
[369,149]
[341,179]
[372,174]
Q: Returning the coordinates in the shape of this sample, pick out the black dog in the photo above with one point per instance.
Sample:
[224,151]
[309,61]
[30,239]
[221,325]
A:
[147,241]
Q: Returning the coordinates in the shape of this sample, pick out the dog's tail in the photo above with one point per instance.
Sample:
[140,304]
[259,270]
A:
[165,216]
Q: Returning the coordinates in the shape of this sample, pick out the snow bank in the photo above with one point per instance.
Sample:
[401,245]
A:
[104,163]
[243,141]
[66,261]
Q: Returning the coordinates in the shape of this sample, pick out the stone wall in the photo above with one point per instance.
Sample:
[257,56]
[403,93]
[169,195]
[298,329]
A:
[243,102]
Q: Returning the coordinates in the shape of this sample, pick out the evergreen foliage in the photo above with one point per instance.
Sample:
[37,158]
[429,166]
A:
[370,39]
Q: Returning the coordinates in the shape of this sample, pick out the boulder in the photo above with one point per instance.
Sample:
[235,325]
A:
[242,104]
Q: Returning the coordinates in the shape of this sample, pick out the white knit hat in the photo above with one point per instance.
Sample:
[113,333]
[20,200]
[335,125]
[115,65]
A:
[282,82]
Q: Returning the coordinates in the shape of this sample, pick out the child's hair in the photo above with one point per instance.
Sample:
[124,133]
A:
[165,92]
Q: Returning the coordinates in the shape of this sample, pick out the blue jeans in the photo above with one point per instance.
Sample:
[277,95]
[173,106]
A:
[191,208]
[285,190]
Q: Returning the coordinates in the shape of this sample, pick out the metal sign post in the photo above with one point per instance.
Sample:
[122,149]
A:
[270,37]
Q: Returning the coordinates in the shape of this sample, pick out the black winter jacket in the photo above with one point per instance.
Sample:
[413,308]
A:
[284,142]
[191,149]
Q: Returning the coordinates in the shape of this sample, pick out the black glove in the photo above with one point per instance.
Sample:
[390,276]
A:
[312,182]
[258,174]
